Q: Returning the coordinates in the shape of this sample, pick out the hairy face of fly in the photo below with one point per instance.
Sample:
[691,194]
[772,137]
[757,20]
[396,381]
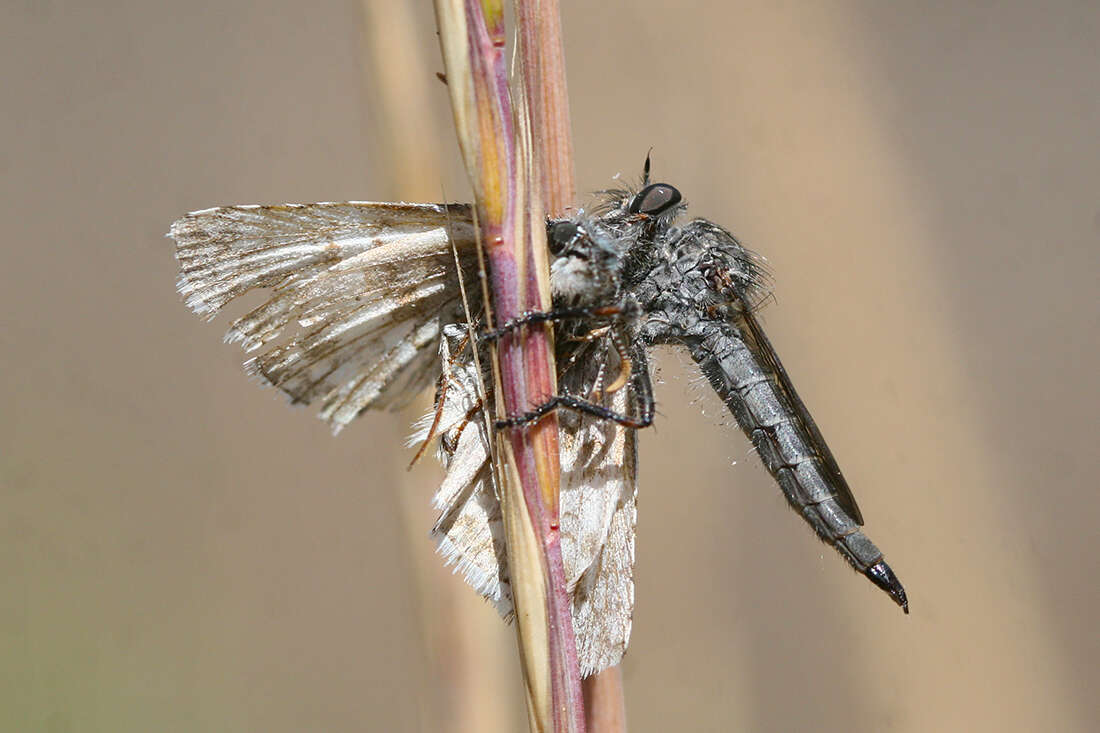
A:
[588,253]
[585,270]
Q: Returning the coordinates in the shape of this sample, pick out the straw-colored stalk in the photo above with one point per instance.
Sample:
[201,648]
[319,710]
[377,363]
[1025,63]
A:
[493,123]
[542,70]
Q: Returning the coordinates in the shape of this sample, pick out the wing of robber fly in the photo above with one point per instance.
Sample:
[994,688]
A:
[762,346]
[598,487]
[703,296]
[741,365]
[358,293]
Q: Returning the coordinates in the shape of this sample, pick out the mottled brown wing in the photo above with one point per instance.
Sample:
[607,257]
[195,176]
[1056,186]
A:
[359,293]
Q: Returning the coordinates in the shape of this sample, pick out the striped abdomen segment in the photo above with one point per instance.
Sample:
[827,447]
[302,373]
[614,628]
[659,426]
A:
[743,369]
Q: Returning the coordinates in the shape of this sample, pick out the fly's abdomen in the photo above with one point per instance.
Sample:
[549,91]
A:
[744,371]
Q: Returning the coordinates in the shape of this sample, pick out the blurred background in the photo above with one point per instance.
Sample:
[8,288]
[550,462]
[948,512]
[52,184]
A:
[181,552]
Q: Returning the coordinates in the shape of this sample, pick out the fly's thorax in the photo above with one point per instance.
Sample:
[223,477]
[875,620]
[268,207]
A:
[631,245]
[700,271]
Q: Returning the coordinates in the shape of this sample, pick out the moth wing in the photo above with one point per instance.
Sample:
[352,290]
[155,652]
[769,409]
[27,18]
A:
[358,293]
[598,507]
[598,517]
[469,533]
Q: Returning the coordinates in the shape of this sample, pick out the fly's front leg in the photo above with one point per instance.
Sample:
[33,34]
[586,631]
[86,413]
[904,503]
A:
[531,318]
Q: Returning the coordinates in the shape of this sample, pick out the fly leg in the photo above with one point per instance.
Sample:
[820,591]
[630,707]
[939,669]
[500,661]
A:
[531,318]
[634,362]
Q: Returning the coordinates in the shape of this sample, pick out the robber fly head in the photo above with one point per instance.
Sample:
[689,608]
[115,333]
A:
[643,213]
[586,264]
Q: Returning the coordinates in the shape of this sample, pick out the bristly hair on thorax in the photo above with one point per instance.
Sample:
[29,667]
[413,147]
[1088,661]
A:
[647,240]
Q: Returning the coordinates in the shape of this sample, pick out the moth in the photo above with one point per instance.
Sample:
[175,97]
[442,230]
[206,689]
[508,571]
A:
[365,309]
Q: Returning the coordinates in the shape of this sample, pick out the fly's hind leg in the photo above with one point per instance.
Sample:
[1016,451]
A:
[634,362]
[572,403]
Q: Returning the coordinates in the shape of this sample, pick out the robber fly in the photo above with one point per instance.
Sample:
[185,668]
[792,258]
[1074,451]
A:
[366,309]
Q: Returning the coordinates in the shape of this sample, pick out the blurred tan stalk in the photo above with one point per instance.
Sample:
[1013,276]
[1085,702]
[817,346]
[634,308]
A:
[463,665]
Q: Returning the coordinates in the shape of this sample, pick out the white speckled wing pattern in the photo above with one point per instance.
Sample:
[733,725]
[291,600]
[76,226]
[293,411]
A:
[470,529]
[359,293]
[598,508]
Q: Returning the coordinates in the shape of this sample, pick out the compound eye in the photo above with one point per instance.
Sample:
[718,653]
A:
[559,235]
[654,199]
